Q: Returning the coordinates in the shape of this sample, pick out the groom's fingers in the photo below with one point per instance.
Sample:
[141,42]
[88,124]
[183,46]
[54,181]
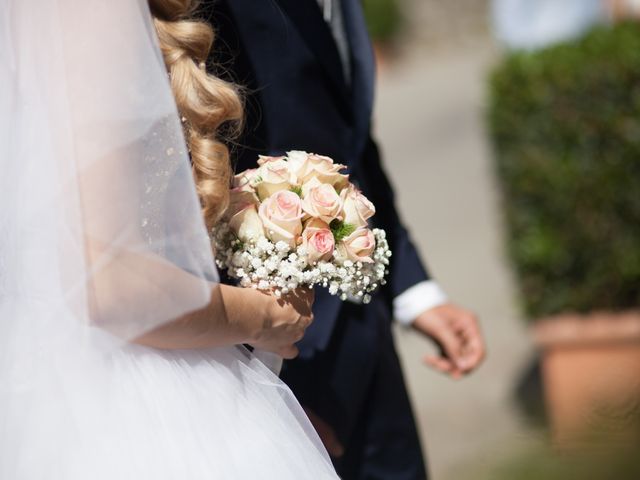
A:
[457,333]
[466,326]
[450,343]
[474,349]
[475,353]
[439,363]
[443,365]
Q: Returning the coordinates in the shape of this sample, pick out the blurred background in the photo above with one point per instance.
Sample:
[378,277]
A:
[511,130]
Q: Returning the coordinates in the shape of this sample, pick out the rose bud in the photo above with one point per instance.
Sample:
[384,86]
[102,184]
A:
[359,246]
[357,208]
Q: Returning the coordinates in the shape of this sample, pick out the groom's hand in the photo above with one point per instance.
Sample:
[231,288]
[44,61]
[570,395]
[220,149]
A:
[457,333]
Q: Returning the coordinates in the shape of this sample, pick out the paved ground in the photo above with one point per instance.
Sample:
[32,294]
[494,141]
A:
[430,109]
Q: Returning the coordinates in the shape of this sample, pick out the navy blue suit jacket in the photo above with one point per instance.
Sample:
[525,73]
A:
[297,98]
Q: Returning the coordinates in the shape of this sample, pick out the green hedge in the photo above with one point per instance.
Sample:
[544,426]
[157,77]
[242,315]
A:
[384,19]
[622,464]
[565,124]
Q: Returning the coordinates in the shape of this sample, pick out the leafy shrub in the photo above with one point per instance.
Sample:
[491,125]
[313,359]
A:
[548,465]
[384,18]
[565,124]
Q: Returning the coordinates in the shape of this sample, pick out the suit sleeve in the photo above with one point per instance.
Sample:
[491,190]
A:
[407,268]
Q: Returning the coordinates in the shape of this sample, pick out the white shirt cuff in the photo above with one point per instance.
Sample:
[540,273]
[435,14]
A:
[417,299]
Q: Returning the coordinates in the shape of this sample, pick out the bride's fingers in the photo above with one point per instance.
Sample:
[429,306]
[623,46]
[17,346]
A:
[298,336]
[289,352]
[307,320]
[301,299]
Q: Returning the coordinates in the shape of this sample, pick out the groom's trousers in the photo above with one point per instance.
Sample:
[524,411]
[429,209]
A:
[363,396]
[298,96]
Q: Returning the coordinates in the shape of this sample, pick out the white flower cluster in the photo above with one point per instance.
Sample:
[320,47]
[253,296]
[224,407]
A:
[280,268]
[297,220]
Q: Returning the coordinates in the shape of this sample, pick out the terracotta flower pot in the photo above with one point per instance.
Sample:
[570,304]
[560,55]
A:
[382,54]
[591,372]
[624,9]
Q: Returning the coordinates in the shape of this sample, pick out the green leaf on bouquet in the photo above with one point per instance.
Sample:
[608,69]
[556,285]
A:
[341,230]
[238,246]
[297,190]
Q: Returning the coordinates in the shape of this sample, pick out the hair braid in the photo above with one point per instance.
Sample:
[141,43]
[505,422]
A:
[205,102]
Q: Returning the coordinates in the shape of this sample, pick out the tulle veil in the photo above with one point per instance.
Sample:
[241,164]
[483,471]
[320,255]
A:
[93,157]
[101,240]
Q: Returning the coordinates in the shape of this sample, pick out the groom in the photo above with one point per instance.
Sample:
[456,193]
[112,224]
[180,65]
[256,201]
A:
[309,73]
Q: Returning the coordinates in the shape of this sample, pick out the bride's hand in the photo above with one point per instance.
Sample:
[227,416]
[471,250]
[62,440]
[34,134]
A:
[284,322]
[238,315]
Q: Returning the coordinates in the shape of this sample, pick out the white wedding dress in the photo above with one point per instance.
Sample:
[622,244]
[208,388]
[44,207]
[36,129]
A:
[102,239]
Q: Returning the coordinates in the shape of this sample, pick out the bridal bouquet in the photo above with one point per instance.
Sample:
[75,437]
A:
[297,221]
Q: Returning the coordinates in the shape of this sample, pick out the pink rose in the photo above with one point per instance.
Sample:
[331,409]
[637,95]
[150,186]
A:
[320,200]
[246,223]
[318,241]
[359,246]
[272,176]
[357,208]
[281,215]
[306,166]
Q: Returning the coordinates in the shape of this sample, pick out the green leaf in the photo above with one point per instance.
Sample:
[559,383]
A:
[341,230]
[297,190]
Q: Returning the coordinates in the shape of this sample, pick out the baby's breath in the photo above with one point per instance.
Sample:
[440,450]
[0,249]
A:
[281,268]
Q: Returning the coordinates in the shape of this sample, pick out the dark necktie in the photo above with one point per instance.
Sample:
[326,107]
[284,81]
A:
[332,13]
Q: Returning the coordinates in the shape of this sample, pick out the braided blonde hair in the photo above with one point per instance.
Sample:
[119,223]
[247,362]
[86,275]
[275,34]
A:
[205,102]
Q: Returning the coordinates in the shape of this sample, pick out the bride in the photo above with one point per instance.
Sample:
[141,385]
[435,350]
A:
[120,352]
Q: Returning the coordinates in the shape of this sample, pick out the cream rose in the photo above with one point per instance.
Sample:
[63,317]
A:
[263,159]
[306,166]
[318,241]
[240,199]
[320,200]
[244,180]
[272,176]
[357,208]
[359,246]
[281,214]
[246,223]
[297,162]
